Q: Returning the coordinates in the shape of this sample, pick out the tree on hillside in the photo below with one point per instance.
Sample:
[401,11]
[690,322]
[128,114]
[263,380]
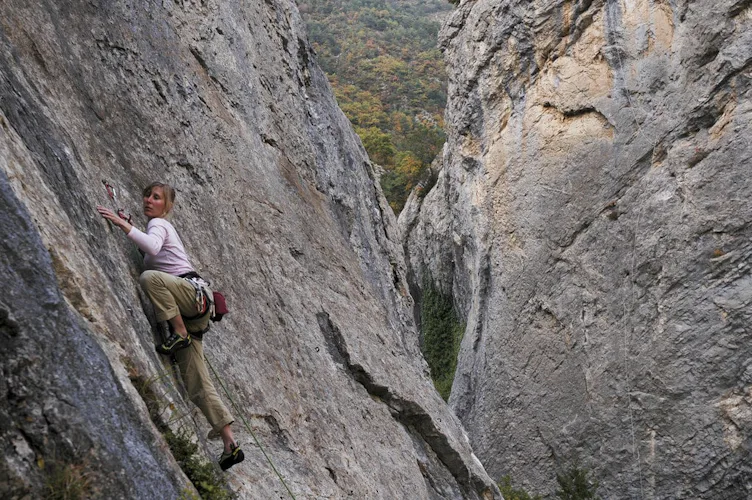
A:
[388,77]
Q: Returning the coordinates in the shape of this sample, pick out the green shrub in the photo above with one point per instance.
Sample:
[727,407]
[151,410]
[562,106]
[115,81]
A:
[575,485]
[204,475]
[67,482]
[509,493]
[209,483]
[441,336]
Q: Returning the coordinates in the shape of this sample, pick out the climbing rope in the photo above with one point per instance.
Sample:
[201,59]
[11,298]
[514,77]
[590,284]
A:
[633,292]
[248,427]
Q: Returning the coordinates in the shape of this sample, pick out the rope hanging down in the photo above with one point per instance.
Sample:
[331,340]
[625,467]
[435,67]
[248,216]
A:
[633,292]
[248,427]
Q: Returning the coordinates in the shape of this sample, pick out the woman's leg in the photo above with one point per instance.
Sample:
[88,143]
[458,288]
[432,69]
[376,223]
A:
[227,438]
[232,454]
[178,326]
[202,392]
[200,387]
[172,297]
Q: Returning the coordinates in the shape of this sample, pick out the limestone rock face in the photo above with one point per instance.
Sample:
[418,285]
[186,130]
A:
[277,206]
[592,220]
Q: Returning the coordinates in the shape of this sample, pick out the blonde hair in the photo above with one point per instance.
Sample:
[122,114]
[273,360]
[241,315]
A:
[168,192]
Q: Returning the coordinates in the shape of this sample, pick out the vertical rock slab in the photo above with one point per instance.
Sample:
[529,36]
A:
[63,408]
[591,218]
[277,206]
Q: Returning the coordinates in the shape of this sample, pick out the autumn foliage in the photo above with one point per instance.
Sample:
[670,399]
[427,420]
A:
[388,77]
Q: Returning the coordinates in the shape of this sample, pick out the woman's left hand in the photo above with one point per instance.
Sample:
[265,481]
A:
[114,218]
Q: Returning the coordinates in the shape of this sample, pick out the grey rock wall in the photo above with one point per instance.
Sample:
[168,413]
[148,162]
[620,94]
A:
[277,205]
[592,219]
[62,402]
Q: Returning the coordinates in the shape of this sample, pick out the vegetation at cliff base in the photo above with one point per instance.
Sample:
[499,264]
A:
[574,484]
[209,483]
[388,77]
[66,481]
[441,335]
[511,493]
[205,476]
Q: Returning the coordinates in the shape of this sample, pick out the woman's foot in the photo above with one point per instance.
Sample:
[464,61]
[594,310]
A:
[234,456]
[174,343]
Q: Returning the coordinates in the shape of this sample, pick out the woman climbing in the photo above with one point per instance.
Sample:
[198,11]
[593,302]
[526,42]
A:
[167,282]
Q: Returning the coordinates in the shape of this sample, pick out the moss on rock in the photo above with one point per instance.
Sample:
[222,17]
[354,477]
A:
[441,333]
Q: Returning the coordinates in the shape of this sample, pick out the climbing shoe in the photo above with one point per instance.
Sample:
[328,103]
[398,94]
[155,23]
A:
[174,343]
[235,456]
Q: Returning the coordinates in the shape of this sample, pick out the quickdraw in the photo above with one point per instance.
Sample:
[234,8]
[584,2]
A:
[110,189]
[126,216]
[202,296]
[121,213]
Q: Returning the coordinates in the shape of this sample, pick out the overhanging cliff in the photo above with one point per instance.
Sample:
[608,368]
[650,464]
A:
[592,219]
[277,205]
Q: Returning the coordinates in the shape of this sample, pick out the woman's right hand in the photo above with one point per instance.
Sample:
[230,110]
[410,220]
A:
[114,218]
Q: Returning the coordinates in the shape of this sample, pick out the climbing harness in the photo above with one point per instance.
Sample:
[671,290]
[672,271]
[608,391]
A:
[206,299]
[202,297]
[248,428]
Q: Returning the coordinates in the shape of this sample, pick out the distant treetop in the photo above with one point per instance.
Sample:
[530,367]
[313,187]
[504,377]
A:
[389,79]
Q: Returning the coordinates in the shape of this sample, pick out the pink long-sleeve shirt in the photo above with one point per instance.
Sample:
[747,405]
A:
[162,247]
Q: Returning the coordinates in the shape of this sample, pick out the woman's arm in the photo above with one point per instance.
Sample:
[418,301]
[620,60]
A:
[150,243]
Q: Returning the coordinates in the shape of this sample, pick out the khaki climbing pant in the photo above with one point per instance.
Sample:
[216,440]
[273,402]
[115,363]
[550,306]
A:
[171,296]
[200,387]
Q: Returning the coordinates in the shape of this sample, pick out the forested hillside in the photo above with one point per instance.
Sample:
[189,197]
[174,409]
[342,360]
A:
[389,79]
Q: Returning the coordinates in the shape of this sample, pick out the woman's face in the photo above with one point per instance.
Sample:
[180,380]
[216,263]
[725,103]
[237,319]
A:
[154,203]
